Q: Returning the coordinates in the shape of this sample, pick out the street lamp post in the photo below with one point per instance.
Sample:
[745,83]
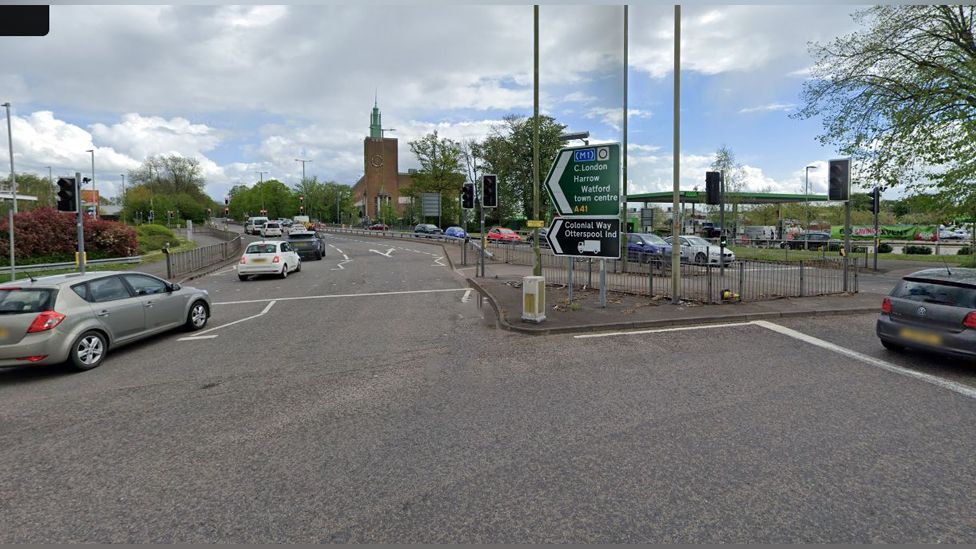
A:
[303,161]
[10,143]
[806,191]
[123,197]
[94,199]
[50,182]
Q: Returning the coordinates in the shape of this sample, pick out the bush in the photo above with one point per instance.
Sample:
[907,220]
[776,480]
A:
[46,235]
[885,248]
[150,229]
[918,250]
[965,250]
[154,243]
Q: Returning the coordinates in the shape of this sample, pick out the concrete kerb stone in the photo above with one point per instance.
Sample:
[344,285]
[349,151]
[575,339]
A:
[501,321]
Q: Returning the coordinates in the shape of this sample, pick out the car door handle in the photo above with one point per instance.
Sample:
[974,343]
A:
[103,313]
[147,304]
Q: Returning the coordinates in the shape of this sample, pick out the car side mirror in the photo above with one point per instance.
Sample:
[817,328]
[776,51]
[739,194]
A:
[174,287]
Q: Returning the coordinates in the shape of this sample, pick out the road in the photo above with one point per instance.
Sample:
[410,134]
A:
[368,399]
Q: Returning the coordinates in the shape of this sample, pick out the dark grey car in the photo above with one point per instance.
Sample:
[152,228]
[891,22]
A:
[306,244]
[932,310]
[77,318]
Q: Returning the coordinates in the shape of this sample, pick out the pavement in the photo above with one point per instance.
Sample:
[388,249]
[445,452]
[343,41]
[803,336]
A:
[368,398]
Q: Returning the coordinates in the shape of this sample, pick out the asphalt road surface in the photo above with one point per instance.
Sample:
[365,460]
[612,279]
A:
[368,399]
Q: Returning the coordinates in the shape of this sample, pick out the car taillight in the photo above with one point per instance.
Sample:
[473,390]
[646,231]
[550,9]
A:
[276,259]
[970,320]
[35,358]
[886,306]
[45,321]
[243,259]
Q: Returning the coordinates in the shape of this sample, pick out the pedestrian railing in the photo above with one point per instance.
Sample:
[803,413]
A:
[190,261]
[36,267]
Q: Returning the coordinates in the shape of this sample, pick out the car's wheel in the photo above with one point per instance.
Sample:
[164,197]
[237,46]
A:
[298,269]
[196,319]
[88,351]
[891,346]
[284,271]
[241,277]
[700,258]
[319,256]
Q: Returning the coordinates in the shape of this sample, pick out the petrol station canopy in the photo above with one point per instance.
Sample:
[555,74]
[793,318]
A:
[698,197]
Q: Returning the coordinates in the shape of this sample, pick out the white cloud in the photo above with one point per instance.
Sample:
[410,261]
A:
[771,107]
[614,117]
[140,136]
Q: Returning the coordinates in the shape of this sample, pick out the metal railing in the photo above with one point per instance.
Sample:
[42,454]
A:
[190,261]
[70,264]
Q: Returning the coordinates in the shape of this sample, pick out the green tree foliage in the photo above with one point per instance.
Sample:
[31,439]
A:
[171,183]
[441,171]
[280,201]
[30,185]
[900,97]
[507,152]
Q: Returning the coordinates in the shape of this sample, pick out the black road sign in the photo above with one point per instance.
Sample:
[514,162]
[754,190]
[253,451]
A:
[585,236]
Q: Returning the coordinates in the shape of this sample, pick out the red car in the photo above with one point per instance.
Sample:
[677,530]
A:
[379,227]
[501,234]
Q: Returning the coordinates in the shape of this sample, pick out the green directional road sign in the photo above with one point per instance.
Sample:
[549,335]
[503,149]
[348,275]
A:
[586,180]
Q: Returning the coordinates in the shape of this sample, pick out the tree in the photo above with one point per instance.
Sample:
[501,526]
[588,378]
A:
[507,152]
[900,98]
[166,183]
[733,175]
[29,184]
[440,172]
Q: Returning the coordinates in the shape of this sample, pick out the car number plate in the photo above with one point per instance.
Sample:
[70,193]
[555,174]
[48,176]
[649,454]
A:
[260,260]
[921,336]
[3,333]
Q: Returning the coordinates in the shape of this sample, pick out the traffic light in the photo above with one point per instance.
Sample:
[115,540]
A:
[839,179]
[489,191]
[467,196]
[226,201]
[67,201]
[723,241]
[301,204]
[713,188]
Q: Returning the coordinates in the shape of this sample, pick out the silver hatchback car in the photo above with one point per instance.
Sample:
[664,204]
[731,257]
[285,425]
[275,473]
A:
[77,318]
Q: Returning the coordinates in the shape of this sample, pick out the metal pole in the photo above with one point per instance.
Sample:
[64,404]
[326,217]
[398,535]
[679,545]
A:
[80,220]
[721,222]
[877,236]
[623,214]
[10,143]
[603,282]
[676,256]
[847,239]
[569,278]
[482,234]
[13,263]
[94,200]
[537,267]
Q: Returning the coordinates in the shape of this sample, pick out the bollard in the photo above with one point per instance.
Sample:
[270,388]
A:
[533,298]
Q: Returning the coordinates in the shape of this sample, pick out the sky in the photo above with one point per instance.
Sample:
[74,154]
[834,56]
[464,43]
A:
[248,89]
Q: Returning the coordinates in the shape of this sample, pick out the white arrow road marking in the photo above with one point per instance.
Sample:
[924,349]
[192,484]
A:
[252,317]
[554,241]
[467,296]
[437,262]
[346,257]
[553,183]
[336,249]
[339,266]
[387,253]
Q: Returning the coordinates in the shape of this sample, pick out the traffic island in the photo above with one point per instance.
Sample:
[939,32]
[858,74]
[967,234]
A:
[626,311]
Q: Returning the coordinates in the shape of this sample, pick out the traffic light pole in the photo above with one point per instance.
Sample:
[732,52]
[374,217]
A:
[847,240]
[877,235]
[721,222]
[80,216]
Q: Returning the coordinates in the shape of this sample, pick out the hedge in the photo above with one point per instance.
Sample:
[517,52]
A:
[48,234]
[965,250]
[150,229]
[918,250]
[885,248]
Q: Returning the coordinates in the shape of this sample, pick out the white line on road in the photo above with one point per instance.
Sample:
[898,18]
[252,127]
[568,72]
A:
[329,296]
[661,330]
[884,365]
[341,263]
[262,313]
[437,262]
[466,297]
[194,338]
[387,253]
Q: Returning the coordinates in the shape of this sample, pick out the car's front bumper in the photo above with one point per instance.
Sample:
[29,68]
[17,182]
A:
[959,344]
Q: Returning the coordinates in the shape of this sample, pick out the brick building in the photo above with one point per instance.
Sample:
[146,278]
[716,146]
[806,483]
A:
[382,182]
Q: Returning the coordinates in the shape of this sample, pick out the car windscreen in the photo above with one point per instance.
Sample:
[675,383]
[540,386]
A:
[697,241]
[652,239]
[301,236]
[261,249]
[272,225]
[27,300]
[933,292]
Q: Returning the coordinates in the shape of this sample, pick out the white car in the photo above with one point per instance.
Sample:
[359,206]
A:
[701,252]
[268,257]
[271,228]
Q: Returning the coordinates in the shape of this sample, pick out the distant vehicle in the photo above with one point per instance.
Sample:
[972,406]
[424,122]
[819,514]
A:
[77,318]
[271,228]
[503,235]
[456,232]
[306,243]
[286,223]
[808,241]
[256,224]
[700,251]
[268,257]
[946,234]
[428,229]
[931,310]
[379,227]
[302,220]
[645,246]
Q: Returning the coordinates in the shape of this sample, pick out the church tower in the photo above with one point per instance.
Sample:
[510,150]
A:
[380,183]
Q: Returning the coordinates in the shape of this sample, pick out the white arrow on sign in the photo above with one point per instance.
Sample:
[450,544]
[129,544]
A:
[553,182]
[551,236]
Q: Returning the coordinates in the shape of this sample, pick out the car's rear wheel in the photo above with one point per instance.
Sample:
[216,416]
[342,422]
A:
[284,271]
[298,269]
[88,351]
[319,256]
[700,258]
[196,319]
[242,278]
[891,346]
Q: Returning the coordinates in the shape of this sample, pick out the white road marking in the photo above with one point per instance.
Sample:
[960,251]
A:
[346,257]
[262,313]
[387,253]
[339,266]
[329,296]
[661,330]
[467,296]
[884,365]
[437,262]
[194,338]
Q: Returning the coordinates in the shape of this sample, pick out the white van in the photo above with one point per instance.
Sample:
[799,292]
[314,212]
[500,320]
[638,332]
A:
[256,224]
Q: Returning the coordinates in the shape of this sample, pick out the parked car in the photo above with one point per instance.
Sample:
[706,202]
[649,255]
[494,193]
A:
[306,244]
[77,318]
[503,235]
[379,227]
[456,232]
[931,310]
[268,257]
[701,252]
[810,241]
[428,229]
[271,228]
[644,246]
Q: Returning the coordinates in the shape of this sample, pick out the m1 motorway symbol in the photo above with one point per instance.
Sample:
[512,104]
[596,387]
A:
[586,180]
[585,236]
